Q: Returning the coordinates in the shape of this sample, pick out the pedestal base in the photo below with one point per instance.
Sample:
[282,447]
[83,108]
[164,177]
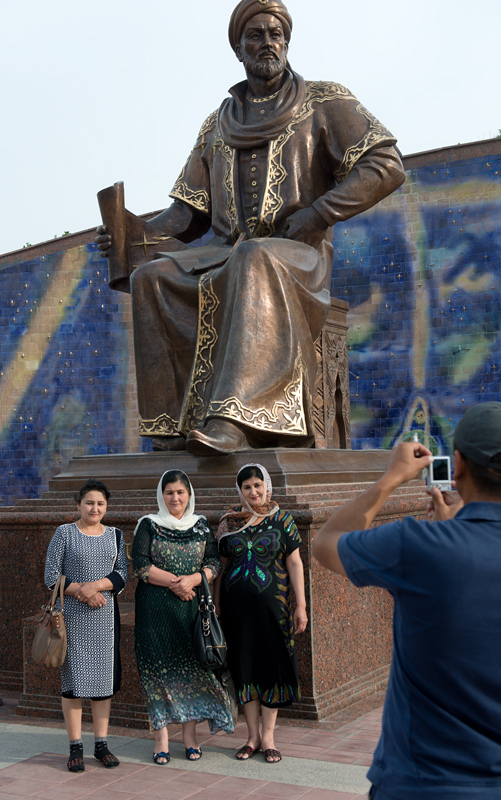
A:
[345,652]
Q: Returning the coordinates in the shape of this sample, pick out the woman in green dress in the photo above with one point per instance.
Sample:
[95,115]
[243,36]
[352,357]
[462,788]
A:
[259,548]
[170,548]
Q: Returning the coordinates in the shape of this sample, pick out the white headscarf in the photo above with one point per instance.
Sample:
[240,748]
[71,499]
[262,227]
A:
[164,518]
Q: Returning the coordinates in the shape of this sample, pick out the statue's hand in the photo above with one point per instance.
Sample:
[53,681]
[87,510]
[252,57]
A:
[306,225]
[103,240]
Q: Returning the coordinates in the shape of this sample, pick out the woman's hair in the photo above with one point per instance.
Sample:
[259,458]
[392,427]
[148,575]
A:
[92,485]
[249,472]
[173,476]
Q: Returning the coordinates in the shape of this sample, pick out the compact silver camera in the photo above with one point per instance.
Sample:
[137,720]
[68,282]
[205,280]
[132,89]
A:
[439,473]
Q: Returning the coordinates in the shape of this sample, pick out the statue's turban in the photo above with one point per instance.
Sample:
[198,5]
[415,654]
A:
[247,9]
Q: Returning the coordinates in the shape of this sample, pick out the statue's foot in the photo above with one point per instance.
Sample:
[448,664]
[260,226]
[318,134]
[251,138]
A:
[217,438]
[161,443]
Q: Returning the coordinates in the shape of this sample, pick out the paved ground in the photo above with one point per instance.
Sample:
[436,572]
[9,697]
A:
[326,760]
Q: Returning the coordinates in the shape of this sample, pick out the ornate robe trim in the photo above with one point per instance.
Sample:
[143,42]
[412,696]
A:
[229,156]
[285,416]
[198,199]
[376,135]
[194,407]
[161,426]
[316,92]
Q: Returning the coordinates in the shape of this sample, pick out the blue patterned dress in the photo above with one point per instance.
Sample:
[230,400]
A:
[256,611]
[176,687]
[92,664]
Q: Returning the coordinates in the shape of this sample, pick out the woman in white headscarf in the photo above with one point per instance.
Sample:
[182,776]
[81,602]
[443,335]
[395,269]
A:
[259,549]
[170,548]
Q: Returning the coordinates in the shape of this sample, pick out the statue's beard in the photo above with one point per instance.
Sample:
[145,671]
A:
[265,68]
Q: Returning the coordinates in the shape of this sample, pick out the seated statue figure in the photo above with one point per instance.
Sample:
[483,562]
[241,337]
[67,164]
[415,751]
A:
[224,332]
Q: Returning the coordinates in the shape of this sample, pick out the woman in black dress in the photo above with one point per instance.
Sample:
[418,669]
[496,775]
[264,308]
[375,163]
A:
[170,548]
[259,549]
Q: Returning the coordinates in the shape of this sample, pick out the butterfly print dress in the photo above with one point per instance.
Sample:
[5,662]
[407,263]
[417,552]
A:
[256,611]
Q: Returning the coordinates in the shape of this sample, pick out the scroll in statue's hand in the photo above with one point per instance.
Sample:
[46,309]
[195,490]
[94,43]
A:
[306,225]
[103,240]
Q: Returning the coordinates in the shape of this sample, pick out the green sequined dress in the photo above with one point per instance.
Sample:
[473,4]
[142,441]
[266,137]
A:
[256,611]
[175,686]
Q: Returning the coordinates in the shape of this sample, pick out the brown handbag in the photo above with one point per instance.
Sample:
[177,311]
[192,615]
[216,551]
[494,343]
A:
[49,644]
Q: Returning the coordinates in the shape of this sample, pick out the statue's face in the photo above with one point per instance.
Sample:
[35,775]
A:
[262,48]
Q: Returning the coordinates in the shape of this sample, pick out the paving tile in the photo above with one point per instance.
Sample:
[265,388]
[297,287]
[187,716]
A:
[136,784]
[365,761]
[170,791]
[316,738]
[110,794]
[329,794]
[66,791]
[154,772]
[353,744]
[5,796]
[200,779]
[286,790]
[301,751]
[245,784]
[337,757]
[24,787]
[288,734]
[214,793]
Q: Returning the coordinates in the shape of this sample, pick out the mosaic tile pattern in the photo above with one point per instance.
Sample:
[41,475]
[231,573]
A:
[422,274]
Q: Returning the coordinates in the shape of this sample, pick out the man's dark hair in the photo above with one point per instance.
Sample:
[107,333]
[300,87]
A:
[486,480]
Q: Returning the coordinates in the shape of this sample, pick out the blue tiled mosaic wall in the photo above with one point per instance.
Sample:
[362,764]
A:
[63,363]
[422,274]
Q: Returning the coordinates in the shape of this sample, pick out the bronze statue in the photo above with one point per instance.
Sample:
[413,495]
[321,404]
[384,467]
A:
[224,333]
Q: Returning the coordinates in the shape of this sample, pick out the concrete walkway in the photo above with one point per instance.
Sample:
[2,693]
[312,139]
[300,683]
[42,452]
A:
[321,761]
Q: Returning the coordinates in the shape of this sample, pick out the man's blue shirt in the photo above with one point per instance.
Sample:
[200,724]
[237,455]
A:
[441,732]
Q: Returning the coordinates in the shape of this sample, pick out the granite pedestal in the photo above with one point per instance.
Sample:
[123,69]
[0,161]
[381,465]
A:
[344,654]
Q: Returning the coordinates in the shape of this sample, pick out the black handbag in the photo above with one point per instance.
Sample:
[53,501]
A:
[208,636]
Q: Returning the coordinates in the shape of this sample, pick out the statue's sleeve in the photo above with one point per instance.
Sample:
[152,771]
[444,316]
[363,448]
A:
[193,185]
[361,154]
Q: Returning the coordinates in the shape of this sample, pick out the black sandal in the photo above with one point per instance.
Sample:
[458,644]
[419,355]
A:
[75,762]
[163,754]
[193,751]
[103,755]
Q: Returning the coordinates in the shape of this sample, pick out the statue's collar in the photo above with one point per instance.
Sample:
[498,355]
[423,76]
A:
[236,134]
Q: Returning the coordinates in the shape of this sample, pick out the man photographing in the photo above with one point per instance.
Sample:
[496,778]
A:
[441,734]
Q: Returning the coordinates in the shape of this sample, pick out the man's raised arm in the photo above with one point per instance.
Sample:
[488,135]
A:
[406,462]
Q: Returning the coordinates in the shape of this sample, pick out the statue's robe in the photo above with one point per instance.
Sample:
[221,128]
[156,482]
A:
[227,330]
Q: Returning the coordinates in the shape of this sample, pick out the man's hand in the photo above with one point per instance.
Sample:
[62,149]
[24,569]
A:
[442,505]
[406,461]
[306,225]
[103,240]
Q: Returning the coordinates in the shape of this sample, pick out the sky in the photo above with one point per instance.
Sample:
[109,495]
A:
[97,91]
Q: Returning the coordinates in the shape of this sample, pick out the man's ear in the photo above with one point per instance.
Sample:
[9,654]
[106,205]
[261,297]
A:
[238,52]
[459,465]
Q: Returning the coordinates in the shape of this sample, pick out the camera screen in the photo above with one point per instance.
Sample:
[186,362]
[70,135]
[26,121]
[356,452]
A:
[441,469]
